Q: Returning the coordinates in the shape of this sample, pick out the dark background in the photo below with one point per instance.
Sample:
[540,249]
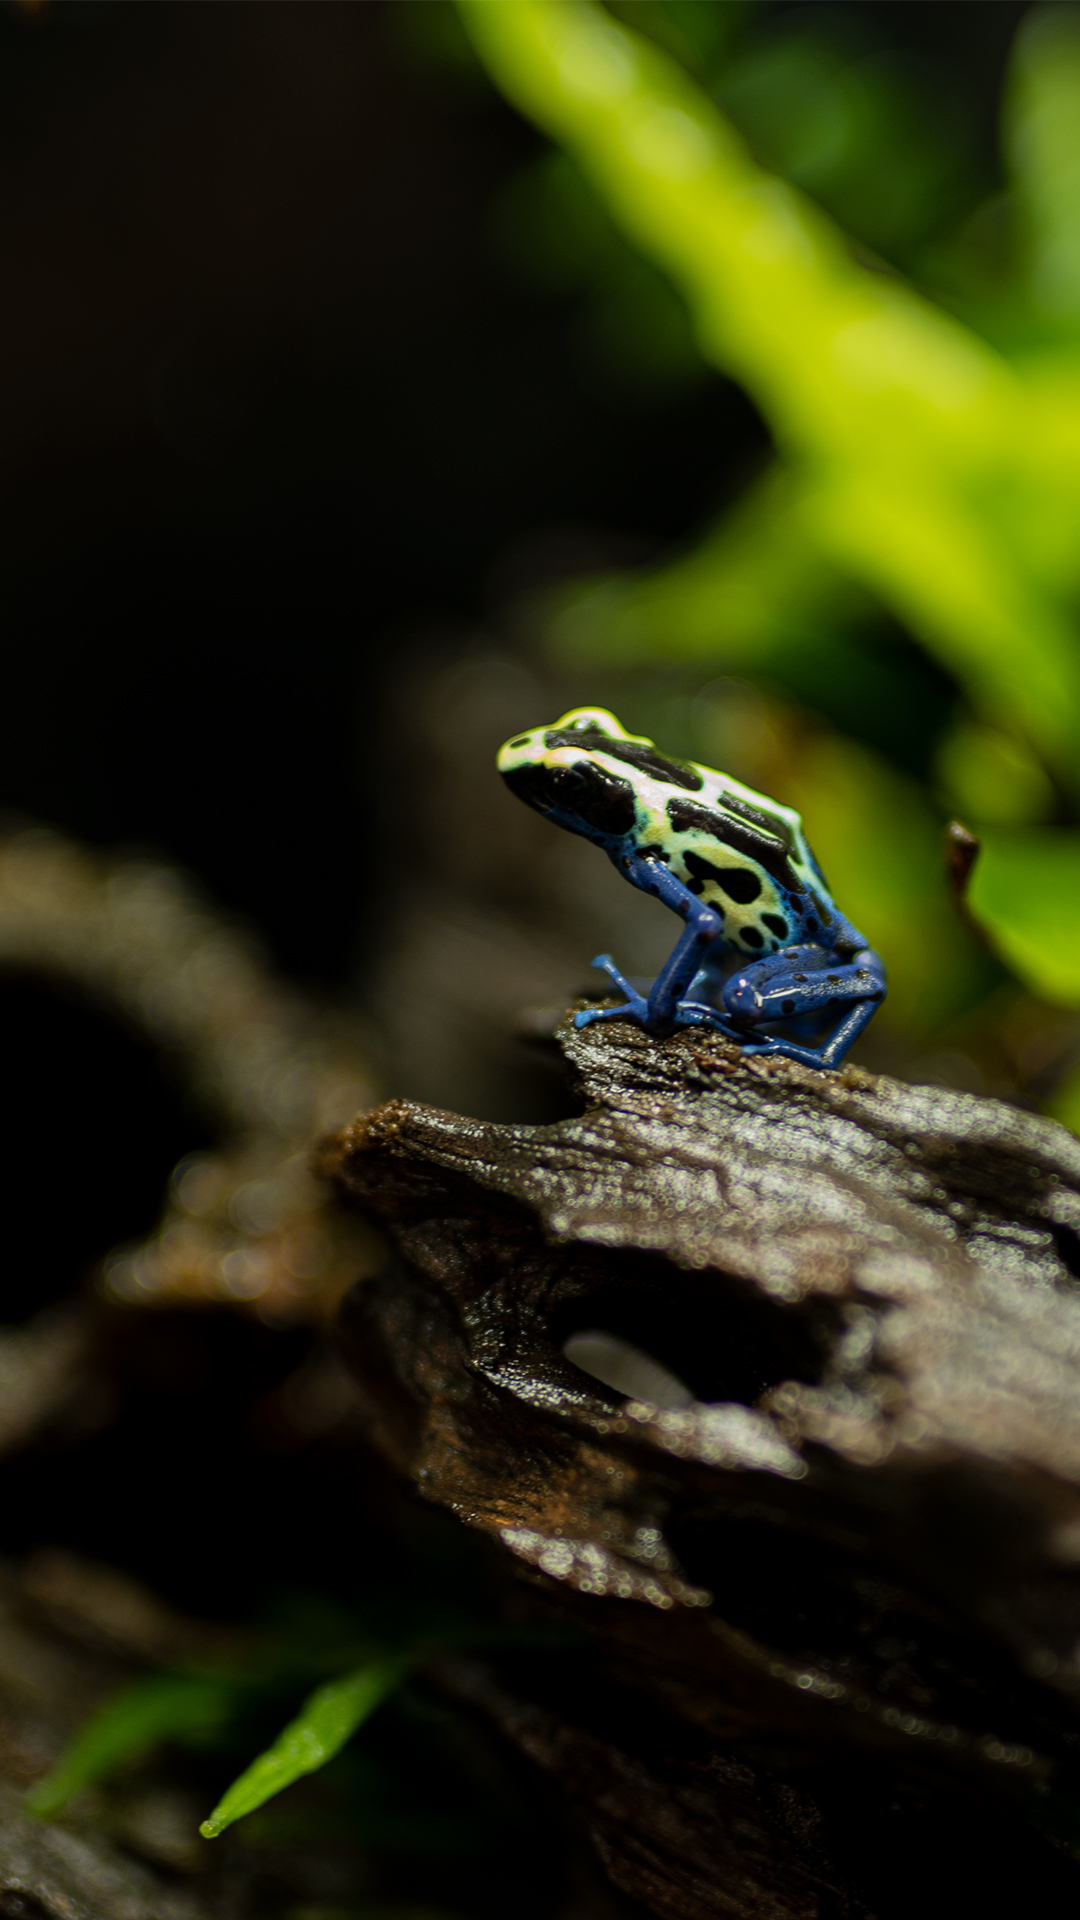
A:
[271,397]
[274,399]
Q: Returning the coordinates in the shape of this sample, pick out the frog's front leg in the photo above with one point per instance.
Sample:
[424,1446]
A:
[663,1010]
[803,980]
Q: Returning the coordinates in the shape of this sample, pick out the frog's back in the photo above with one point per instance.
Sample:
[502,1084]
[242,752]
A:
[747,856]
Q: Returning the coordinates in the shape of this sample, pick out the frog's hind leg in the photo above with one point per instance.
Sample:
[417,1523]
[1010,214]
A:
[803,980]
[832,1053]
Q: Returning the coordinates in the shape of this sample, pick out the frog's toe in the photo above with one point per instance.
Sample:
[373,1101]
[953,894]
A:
[697,1013]
[605,964]
[808,1056]
[633,1008]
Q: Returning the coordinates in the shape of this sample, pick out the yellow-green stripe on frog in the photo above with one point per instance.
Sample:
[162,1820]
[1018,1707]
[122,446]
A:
[766,956]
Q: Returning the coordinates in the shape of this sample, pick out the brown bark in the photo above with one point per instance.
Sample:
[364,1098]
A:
[834,1600]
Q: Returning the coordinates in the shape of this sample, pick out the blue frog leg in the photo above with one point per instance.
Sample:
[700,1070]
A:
[801,980]
[666,1006]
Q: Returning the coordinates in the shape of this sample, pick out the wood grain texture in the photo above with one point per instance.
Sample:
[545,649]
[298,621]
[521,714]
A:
[851,1566]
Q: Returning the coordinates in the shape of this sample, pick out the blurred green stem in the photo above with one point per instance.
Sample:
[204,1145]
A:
[914,443]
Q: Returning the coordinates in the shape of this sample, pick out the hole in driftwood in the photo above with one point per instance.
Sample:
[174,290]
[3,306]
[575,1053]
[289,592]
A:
[1067,1243]
[625,1368]
[702,1336]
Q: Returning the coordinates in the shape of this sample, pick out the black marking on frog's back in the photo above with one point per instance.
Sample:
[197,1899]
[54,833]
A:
[775,924]
[752,936]
[767,850]
[773,824]
[740,884]
[671,773]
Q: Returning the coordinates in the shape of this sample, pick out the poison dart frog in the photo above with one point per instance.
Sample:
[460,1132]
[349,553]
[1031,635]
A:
[764,943]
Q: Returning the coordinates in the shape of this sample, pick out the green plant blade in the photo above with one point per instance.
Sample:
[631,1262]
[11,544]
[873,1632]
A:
[325,1721]
[913,451]
[1025,891]
[759,579]
[164,1706]
[1043,138]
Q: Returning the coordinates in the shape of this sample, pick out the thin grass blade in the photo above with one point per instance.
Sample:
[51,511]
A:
[326,1720]
[162,1707]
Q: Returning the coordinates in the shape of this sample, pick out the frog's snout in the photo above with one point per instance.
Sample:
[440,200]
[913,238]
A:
[514,753]
[520,743]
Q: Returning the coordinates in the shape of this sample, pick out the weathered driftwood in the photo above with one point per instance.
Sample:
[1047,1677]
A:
[835,1600]
[244,1226]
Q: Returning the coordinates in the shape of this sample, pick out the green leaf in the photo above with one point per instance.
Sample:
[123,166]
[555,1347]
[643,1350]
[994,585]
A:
[1043,129]
[326,1720]
[993,777]
[757,582]
[914,454]
[163,1707]
[1065,1102]
[1025,891]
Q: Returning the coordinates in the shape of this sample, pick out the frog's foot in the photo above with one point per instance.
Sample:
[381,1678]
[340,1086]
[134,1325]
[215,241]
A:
[698,1013]
[637,1007]
[809,1056]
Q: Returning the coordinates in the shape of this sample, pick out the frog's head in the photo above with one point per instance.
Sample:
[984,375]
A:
[587,771]
[558,771]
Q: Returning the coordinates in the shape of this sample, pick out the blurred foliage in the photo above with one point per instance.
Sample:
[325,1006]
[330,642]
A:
[381,1642]
[190,1705]
[167,1706]
[781,196]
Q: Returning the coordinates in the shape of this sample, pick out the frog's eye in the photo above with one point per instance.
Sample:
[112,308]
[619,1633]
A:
[569,783]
